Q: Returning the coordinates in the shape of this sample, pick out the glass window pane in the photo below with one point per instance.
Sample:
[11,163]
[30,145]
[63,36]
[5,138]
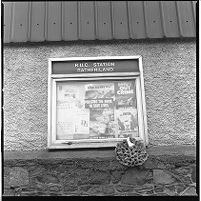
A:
[96,110]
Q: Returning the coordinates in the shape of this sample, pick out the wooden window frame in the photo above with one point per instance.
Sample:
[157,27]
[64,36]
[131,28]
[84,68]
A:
[53,79]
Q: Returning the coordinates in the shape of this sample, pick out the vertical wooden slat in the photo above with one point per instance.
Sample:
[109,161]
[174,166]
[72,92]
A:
[20,22]
[169,19]
[153,19]
[54,13]
[29,22]
[194,11]
[37,21]
[136,19]
[7,21]
[46,19]
[120,20]
[103,20]
[86,20]
[185,17]
[70,21]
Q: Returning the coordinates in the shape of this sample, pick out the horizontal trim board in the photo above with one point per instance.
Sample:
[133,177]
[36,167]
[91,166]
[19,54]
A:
[172,150]
[98,20]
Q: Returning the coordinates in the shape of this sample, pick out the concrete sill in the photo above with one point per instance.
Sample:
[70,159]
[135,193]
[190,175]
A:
[173,150]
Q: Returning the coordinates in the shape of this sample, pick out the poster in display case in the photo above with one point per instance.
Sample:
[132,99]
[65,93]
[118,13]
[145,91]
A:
[92,108]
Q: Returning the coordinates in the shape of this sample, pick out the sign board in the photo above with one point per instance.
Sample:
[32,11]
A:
[90,66]
[95,102]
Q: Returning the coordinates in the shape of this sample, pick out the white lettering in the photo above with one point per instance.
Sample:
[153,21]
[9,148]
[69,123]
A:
[84,69]
[81,65]
[124,92]
[103,64]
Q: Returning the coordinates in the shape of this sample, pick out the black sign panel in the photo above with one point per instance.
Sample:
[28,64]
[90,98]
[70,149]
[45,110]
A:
[95,66]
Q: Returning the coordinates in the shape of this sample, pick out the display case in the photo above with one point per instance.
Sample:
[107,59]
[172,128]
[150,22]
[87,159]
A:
[95,101]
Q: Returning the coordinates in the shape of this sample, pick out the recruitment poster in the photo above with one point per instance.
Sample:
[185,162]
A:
[99,99]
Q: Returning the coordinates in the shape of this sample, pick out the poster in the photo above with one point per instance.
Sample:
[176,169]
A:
[72,95]
[125,93]
[127,121]
[81,124]
[99,95]
[72,117]
[96,110]
[65,122]
[99,99]
[99,90]
[102,123]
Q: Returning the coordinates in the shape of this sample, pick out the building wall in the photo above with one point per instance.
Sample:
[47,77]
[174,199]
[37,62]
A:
[169,77]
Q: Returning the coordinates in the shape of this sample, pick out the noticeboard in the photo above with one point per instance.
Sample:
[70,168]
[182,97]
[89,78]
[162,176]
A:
[95,102]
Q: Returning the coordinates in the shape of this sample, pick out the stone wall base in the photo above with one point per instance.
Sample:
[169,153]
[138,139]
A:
[160,175]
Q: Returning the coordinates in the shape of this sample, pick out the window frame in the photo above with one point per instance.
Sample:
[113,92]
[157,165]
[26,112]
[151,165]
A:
[53,79]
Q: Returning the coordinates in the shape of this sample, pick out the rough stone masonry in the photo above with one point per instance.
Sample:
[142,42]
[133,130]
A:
[173,174]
